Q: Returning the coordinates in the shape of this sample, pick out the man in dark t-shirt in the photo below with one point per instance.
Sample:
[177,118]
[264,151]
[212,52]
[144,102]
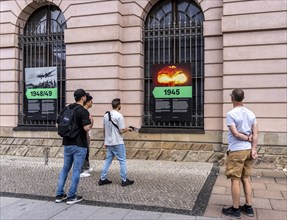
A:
[75,150]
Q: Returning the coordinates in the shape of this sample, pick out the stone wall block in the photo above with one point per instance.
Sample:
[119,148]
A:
[100,155]
[218,148]
[216,158]
[198,156]
[96,144]
[281,162]
[53,151]
[131,152]
[196,147]
[60,153]
[146,154]
[275,150]
[173,155]
[21,150]
[12,150]
[182,146]
[261,150]
[152,145]
[19,141]
[57,143]
[48,142]
[207,147]
[167,145]
[4,149]
[8,141]
[36,142]
[265,162]
[28,141]
[16,140]
[35,151]
[134,144]
[1,140]
[93,152]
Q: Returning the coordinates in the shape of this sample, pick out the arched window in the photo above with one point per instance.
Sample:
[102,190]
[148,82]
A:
[174,67]
[43,71]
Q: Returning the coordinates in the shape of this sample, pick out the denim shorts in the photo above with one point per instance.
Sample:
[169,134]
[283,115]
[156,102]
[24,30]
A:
[238,164]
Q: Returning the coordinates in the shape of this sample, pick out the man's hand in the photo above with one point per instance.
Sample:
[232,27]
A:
[254,154]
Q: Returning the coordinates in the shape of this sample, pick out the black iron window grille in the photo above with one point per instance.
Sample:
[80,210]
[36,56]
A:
[41,44]
[173,33]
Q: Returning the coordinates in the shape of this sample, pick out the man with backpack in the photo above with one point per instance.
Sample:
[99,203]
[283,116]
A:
[73,124]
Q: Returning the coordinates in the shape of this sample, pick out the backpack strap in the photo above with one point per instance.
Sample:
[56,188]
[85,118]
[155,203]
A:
[110,119]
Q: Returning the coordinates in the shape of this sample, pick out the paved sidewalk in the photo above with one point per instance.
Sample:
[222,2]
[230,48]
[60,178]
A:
[19,208]
[269,195]
[163,190]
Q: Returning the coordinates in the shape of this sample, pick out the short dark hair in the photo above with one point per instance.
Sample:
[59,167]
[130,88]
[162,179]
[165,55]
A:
[238,95]
[116,102]
[89,98]
[78,94]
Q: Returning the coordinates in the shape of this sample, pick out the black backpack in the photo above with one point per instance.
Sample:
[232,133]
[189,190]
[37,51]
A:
[68,126]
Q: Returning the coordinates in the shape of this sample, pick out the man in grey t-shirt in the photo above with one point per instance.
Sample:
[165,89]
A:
[114,127]
[242,143]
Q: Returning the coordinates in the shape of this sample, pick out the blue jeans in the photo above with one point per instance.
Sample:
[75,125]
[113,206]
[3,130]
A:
[72,154]
[118,151]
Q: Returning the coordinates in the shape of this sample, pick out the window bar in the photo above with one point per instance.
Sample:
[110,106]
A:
[169,44]
[196,72]
[179,39]
[185,34]
[202,76]
[163,41]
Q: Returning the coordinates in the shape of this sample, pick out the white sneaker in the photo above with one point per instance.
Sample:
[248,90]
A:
[85,174]
[88,170]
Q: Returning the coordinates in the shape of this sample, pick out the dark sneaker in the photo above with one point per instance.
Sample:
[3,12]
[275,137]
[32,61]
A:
[60,198]
[127,182]
[104,182]
[230,212]
[247,210]
[75,199]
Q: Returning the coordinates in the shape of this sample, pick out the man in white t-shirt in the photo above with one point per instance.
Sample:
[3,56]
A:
[114,127]
[242,143]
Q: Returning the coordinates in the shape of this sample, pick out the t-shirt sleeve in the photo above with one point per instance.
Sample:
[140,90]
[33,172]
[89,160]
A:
[85,119]
[121,122]
[229,120]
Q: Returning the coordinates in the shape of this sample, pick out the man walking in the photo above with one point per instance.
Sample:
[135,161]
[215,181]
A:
[75,150]
[114,127]
[242,143]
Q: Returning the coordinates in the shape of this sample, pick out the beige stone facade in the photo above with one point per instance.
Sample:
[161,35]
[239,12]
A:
[245,46]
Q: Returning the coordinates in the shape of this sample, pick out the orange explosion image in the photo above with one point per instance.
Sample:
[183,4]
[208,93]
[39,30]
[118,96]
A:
[172,76]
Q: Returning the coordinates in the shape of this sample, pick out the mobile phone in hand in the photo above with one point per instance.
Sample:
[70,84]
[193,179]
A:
[134,128]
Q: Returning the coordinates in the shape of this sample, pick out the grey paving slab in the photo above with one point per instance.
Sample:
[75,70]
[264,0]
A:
[109,213]
[18,208]
[172,216]
[142,215]
[4,201]
[75,211]
[44,211]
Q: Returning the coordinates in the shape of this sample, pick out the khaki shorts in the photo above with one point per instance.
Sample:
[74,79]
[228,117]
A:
[238,164]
